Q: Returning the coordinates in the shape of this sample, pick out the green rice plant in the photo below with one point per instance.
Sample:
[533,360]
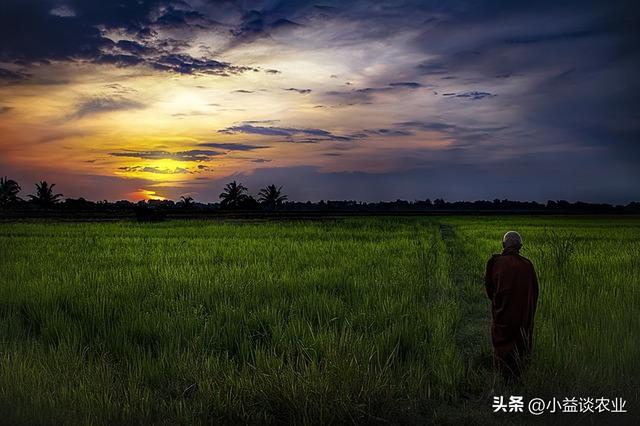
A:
[358,320]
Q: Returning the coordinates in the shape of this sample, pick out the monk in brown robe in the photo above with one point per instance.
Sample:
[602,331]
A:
[512,287]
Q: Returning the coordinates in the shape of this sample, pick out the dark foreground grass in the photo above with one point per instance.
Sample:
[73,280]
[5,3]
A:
[362,320]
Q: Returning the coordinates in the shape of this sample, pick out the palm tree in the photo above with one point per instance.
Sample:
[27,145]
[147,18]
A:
[9,190]
[44,195]
[271,197]
[187,202]
[233,195]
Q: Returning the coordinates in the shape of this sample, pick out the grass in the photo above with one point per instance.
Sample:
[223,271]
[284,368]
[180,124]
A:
[361,320]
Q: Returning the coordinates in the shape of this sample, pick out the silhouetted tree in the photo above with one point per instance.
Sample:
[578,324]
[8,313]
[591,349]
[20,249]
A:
[79,204]
[271,197]
[9,190]
[249,203]
[233,196]
[439,203]
[187,202]
[146,212]
[44,196]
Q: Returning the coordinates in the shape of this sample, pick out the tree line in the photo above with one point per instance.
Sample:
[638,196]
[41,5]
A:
[235,197]
[44,195]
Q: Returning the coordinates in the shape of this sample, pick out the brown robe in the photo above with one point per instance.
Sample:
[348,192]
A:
[512,287]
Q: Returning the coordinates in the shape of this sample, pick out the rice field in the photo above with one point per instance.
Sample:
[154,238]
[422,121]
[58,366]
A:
[357,320]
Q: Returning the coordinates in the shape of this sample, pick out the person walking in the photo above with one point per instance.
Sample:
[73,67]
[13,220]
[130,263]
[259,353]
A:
[512,287]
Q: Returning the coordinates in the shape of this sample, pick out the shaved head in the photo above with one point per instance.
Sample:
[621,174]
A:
[512,240]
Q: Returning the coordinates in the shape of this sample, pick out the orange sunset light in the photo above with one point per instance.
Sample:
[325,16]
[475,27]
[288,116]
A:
[145,195]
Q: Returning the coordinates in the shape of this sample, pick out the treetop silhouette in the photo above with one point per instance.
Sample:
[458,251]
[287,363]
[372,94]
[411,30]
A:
[44,196]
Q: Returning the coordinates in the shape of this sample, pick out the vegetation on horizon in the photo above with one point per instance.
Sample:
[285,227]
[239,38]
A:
[270,198]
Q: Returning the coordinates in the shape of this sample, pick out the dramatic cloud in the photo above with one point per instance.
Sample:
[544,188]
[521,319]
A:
[462,94]
[37,32]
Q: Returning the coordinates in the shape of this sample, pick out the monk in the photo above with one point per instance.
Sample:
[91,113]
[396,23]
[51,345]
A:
[512,287]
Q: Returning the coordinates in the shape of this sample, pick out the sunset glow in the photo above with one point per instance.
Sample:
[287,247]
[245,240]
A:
[358,100]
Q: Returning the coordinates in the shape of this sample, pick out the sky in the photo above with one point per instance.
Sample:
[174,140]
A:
[364,100]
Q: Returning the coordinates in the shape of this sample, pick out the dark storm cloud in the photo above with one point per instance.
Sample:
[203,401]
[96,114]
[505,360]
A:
[232,146]
[102,104]
[191,155]
[35,32]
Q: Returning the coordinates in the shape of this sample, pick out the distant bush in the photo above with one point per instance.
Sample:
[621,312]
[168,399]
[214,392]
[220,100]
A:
[146,213]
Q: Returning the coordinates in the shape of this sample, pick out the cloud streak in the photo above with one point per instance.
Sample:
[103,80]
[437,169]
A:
[104,104]
[232,146]
[300,91]
[290,133]
[196,155]
[154,170]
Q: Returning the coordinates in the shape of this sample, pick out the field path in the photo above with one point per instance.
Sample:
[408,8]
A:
[472,331]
